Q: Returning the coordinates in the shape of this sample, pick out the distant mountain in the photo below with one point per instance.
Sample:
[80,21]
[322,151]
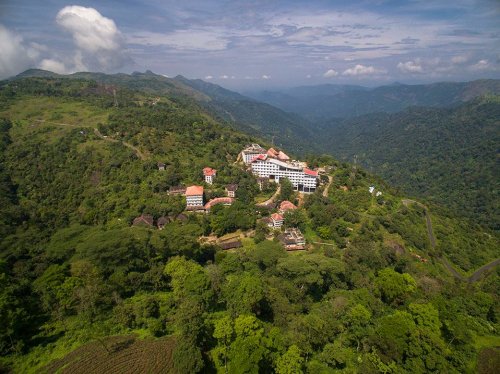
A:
[449,156]
[286,129]
[246,114]
[329,101]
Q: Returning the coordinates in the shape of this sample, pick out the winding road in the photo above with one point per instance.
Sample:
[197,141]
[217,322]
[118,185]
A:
[474,277]
[272,198]
[325,191]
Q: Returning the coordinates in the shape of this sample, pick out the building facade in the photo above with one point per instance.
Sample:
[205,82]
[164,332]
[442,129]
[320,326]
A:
[194,197]
[209,175]
[302,178]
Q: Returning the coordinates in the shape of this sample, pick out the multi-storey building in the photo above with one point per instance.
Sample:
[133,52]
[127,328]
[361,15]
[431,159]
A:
[209,174]
[194,197]
[302,178]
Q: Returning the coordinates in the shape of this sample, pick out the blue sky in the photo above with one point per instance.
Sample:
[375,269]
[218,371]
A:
[257,44]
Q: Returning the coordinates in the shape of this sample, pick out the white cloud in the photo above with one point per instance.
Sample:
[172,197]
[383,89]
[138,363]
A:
[308,76]
[411,67]
[224,76]
[15,57]
[53,65]
[481,65]
[95,35]
[208,77]
[361,70]
[266,76]
[330,74]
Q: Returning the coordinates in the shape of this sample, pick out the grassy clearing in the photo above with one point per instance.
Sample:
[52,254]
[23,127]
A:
[56,110]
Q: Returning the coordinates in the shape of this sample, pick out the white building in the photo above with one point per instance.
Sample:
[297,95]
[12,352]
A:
[302,178]
[194,197]
[209,175]
[249,153]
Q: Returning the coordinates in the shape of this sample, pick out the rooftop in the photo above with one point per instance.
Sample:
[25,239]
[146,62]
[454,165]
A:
[310,172]
[219,200]
[276,217]
[232,187]
[194,191]
[209,171]
[287,205]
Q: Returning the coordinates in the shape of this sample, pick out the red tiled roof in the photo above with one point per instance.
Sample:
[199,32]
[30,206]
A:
[310,172]
[277,217]
[283,156]
[194,190]
[209,171]
[272,152]
[287,205]
[219,200]
[259,158]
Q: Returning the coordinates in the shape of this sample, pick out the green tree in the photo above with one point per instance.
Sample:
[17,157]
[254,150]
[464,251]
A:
[395,287]
[290,362]
[286,192]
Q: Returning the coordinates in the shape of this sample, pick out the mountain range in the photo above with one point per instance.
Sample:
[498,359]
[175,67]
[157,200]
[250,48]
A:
[341,101]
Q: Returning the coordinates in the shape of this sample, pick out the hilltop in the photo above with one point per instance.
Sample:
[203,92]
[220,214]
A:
[80,160]
[243,113]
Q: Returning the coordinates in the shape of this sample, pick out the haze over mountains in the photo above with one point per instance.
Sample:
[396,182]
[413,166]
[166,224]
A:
[328,101]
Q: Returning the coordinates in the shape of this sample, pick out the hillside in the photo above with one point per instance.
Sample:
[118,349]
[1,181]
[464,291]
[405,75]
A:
[241,112]
[84,289]
[447,156]
[338,101]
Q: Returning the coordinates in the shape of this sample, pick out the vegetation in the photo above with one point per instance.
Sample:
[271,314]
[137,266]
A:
[84,289]
[447,156]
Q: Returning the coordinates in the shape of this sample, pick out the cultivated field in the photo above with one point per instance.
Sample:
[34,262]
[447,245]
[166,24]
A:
[118,355]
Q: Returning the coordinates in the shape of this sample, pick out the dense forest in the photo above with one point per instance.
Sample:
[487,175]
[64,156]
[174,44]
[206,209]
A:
[448,156]
[84,290]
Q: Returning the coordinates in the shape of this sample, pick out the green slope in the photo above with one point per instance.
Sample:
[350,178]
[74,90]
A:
[448,156]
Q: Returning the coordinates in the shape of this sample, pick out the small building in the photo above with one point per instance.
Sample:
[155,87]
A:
[286,205]
[292,239]
[162,221]
[277,220]
[218,200]
[209,174]
[371,189]
[177,190]
[161,166]
[145,220]
[194,197]
[231,190]
[230,244]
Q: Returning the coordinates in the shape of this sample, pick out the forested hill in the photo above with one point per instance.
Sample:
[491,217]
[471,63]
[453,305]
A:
[338,101]
[87,287]
[448,156]
[245,114]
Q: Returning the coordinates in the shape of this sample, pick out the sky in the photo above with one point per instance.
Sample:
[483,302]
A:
[257,44]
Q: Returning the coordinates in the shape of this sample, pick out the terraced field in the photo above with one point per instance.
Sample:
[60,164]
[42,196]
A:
[118,355]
